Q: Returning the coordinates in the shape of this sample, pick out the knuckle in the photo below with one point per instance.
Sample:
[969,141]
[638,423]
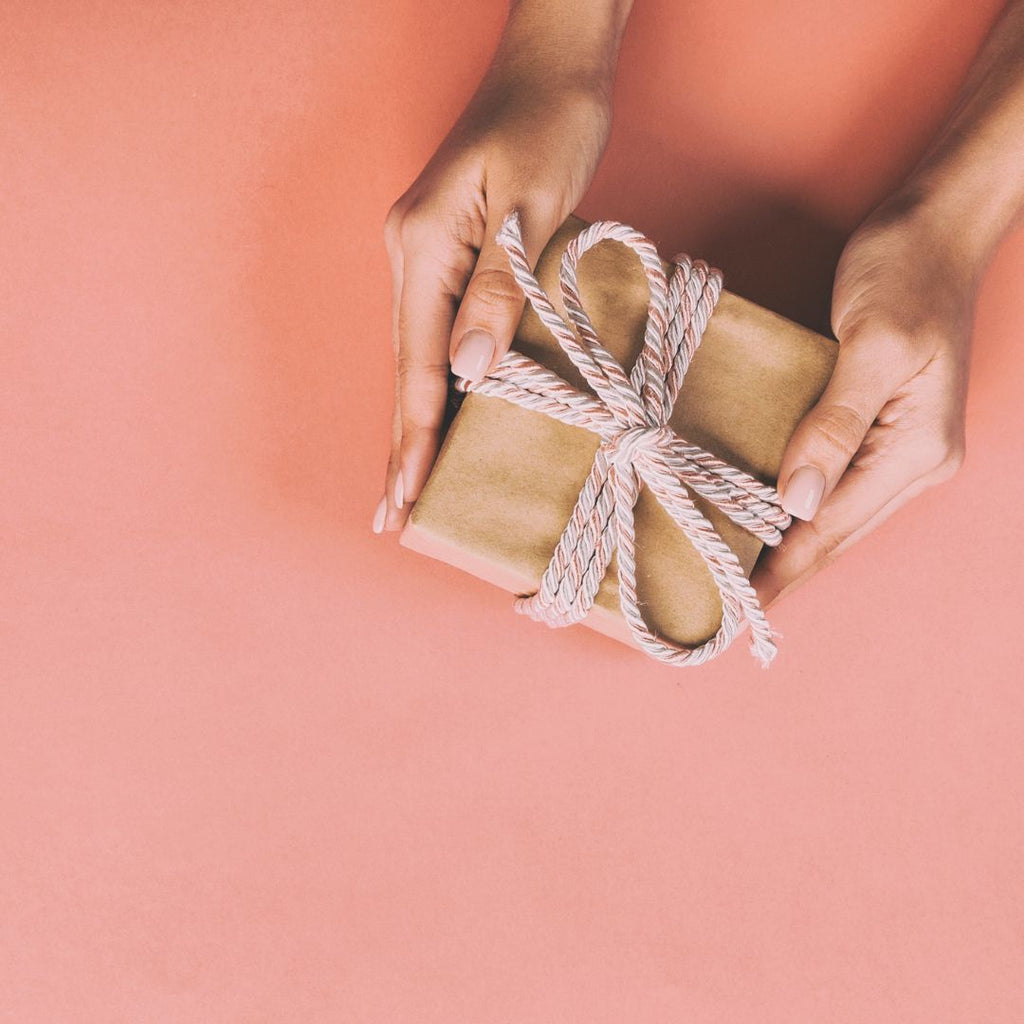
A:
[823,543]
[415,371]
[424,399]
[416,430]
[842,428]
[494,289]
[421,428]
[826,542]
[416,228]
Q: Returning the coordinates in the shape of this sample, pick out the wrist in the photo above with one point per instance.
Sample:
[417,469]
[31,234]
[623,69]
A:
[544,47]
[965,211]
[969,190]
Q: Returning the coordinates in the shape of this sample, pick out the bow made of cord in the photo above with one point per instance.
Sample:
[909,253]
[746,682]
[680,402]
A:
[630,414]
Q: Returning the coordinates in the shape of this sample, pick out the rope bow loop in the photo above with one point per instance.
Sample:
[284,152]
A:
[630,413]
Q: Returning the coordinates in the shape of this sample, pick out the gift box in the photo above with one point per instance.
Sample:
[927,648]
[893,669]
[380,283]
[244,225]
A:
[508,478]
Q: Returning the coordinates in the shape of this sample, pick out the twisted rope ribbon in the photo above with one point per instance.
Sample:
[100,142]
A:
[631,414]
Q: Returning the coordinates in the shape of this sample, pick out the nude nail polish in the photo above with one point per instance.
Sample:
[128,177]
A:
[473,355]
[399,490]
[803,492]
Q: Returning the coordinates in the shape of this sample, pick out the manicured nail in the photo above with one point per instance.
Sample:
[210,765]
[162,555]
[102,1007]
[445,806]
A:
[378,516]
[399,490]
[474,354]
[803,492]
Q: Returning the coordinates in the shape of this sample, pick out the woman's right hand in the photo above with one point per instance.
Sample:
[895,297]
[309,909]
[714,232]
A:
[530,139]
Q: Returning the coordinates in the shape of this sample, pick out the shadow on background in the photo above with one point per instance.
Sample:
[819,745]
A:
[779,256]
[772,248]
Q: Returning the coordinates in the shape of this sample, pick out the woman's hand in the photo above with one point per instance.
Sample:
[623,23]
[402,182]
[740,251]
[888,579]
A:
[530,138]
[891,420]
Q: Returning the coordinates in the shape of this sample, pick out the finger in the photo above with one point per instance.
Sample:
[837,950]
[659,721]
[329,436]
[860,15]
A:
[831,433]
[865,497]
[492,306]
[386,507]
[425,314]
[392,517]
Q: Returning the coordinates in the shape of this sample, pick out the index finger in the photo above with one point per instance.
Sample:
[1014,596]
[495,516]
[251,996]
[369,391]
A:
[426,311]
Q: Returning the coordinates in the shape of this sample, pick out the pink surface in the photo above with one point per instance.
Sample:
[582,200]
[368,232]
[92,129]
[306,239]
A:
[257,764]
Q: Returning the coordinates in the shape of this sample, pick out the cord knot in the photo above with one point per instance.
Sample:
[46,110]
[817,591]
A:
[630,445]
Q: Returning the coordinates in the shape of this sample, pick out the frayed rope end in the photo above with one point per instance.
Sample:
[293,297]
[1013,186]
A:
[764,648]
[510,230]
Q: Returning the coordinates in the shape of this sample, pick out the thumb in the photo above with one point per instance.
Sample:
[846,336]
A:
[831,433]
[493,301]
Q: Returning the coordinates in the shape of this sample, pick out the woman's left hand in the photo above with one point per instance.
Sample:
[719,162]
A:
[890,423]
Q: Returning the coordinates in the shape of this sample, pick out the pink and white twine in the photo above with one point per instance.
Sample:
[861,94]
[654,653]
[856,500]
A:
[630,414]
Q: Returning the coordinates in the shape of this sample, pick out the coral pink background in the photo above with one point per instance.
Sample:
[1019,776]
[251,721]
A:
[259,765]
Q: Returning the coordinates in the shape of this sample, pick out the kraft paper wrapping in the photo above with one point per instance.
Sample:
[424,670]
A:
[506,480]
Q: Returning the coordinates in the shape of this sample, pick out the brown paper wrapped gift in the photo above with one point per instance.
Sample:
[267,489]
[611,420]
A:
[507,478]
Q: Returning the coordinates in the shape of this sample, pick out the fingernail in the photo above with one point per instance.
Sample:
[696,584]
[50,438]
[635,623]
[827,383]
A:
[803,492]
[399,490]
[378,516]
[474,354]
